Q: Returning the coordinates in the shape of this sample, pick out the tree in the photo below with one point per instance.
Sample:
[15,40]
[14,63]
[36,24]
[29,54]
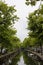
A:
[30,42]
[16,42]
[7,19]
[26,42]
[32,2]
[35,25]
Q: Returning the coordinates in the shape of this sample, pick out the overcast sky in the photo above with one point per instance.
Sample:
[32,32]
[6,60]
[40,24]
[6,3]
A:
[22,12]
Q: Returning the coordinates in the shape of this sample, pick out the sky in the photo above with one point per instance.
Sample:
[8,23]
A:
[22,12]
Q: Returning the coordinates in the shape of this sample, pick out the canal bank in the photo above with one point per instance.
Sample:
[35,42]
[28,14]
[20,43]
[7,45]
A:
[22,59]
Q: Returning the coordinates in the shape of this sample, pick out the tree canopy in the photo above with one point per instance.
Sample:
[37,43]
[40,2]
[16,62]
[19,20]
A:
[32,2]
[7,19]
[35,24]
[35,27]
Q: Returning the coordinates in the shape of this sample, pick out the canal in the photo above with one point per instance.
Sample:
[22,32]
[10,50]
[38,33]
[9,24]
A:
[22,59]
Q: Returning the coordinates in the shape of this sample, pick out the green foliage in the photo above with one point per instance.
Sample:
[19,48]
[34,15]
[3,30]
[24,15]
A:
[32,2]
[29,42]
[35,25]
[16,59]
[7,16]
[7,19]
[16,42]
[26,42]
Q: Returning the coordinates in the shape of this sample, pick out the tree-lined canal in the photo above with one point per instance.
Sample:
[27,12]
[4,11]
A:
[10,42]
[22,59]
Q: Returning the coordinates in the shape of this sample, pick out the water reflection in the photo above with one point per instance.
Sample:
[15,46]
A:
[21,59]
[11,61]
[21,62]
[15,60]
[30,61]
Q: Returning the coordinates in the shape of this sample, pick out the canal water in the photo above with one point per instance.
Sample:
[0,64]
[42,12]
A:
[22,59]
[21,62]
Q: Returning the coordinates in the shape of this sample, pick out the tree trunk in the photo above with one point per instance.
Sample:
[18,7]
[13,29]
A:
[36,48]
[41,48]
